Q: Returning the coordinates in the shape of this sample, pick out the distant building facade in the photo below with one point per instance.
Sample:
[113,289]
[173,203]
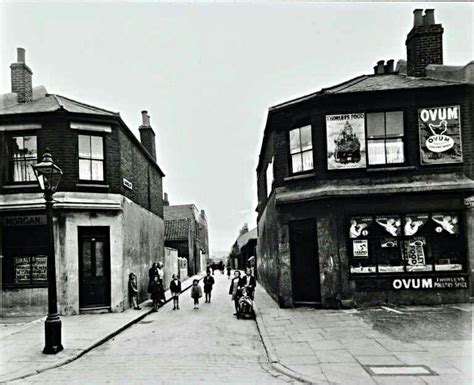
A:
[108,212]
[244,250]
[366,188]
[186,230]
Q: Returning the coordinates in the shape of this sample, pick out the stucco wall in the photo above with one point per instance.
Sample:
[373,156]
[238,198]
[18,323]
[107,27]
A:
[143,244]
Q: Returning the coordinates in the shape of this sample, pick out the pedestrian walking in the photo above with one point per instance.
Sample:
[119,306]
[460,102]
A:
[175,288]
[228,271]
[133,291]
[155,290]
[208,283]
[249,282]
[161,274]
[196,293]
[234,289]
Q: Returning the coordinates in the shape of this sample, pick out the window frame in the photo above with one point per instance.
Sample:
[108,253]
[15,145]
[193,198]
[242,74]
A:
[403,238]
[91,159]
[384,139]
[290,154]
[10,161]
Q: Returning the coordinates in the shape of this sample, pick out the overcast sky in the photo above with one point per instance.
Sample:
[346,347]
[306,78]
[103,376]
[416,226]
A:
[208,72]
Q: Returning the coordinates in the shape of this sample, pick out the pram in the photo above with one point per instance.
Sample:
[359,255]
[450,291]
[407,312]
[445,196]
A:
[245,309]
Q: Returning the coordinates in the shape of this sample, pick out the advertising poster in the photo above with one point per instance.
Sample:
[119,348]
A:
[391,224]
[360,248]
[346,141]
[414,222]
[359,226]
[446,223]
[440,135]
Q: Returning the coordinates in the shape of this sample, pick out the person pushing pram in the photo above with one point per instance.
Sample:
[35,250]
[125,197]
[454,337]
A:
[245,304]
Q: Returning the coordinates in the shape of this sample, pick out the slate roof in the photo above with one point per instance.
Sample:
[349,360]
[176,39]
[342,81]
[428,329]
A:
[176,230]
[367,83]
[243,239]
[53,102]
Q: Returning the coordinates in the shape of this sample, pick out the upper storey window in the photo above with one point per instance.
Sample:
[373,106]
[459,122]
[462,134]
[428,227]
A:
[301,149]
[91,157]
[23,150]
[385,137]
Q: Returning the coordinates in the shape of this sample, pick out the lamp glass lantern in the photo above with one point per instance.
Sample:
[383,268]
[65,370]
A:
[47,173]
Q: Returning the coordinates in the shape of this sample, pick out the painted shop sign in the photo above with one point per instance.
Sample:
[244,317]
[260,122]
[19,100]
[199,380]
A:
[430,283]
[440,135]
[345,135]
[26,220]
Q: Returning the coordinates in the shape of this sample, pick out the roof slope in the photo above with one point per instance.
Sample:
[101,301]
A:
[176,230]
[52,102]
[176,212]
[243,239]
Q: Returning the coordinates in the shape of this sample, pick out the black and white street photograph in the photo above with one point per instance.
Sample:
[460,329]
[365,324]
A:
[249,192]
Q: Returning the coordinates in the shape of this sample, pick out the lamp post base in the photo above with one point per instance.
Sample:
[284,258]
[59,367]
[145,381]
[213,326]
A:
[52,334]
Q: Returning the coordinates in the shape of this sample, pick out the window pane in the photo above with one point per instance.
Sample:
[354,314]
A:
[297,166]
[86,259]
[29,143]
[394,123]
[306,141]
[376,125]
[97,149]
[29,173]
[84,146]
[307,160]
[394,148]
[84,169]
[99,258]
[17,147]
[97,170]
[295,141]
[376,151]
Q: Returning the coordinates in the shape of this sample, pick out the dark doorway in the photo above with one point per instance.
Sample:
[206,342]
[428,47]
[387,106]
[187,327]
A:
[94,267]
[304,262]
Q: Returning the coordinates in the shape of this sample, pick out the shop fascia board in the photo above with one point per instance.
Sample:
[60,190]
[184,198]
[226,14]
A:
[339,191]
[63,200]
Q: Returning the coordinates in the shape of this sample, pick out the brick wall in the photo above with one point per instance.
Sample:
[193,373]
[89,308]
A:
[424,46]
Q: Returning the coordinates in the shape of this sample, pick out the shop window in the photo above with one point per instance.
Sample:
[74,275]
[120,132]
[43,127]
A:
[23,150]
[385,138]
[301,149]
[91,157]
[410,243]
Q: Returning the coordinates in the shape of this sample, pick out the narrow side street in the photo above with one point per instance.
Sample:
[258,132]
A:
[205,346]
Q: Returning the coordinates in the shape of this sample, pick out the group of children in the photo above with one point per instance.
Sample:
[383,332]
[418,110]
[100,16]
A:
[175,289]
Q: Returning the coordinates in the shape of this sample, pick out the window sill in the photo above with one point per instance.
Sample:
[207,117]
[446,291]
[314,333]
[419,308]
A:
[391,169]
[93,185]
[16,286]
[20,186]
[300,176]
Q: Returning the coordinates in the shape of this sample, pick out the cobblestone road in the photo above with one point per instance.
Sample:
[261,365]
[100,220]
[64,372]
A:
[205,346]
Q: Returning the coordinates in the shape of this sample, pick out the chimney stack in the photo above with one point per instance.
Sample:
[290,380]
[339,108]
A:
[379,69]
[147,135]
[21,78]
[166,202]
[424,43]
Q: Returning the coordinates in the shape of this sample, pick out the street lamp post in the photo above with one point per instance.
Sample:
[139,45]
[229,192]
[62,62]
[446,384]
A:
[48,175]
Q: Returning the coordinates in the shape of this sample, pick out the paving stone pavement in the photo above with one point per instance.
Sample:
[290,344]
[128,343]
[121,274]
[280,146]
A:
[334,346]
[205,346]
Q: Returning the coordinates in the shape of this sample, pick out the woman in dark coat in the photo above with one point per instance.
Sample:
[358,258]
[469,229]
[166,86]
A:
[152,273]
[234,289]
[155,290]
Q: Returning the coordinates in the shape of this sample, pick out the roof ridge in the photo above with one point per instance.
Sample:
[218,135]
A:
[359,78]
[85,104]
[57,101]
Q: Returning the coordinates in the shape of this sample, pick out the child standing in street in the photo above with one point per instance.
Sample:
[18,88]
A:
[208,283]
[196,293]
[133,291]
[175,288]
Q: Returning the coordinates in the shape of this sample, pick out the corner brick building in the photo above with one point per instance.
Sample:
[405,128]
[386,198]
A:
[108,214]
[366,188]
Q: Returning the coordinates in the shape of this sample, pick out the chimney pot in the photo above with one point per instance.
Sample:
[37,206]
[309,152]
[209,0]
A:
[20,55]
[428,18]
[389,66]
[418,17]
[145,118]
[380,67]
[147,135]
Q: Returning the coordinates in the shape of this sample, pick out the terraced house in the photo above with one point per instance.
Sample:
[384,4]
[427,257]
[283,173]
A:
[108,214]
[366,188]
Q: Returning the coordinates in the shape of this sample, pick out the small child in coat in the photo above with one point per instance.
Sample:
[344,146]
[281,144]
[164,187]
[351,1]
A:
[133,291]
[175,288]
[196,293]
